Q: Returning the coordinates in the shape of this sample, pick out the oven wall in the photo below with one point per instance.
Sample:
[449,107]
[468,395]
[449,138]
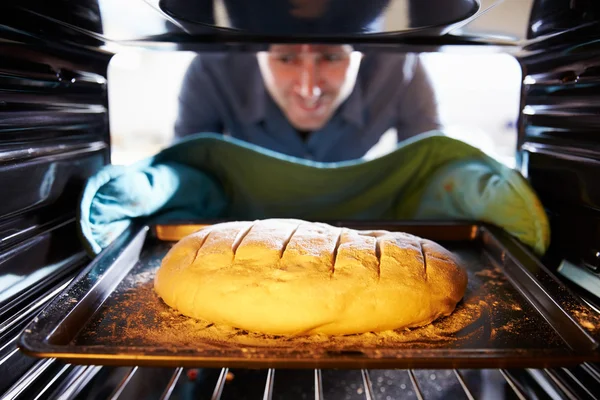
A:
[53,136]
[559,145]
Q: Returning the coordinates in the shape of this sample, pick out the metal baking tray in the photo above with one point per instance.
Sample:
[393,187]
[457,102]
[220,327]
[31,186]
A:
[514,314]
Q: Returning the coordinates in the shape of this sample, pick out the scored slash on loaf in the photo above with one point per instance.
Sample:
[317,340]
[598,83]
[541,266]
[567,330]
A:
[292,277]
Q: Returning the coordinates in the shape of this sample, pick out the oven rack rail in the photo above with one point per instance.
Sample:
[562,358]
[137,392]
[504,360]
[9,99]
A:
[52,379]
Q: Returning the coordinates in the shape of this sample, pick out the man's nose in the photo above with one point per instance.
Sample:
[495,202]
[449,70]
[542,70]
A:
[309,80]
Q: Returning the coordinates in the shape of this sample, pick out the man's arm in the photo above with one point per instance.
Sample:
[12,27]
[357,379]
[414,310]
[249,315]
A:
[418,109]
[199,101]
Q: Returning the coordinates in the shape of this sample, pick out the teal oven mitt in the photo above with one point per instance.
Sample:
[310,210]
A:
[206,176]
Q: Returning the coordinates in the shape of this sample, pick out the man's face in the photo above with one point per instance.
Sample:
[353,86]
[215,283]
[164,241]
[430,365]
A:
[309,82]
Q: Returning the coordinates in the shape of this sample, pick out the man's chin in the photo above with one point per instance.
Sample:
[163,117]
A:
[308,123]
[308,126]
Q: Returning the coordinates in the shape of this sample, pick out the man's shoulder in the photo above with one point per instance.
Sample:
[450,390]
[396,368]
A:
[224,62]
[230,73]
[388,67]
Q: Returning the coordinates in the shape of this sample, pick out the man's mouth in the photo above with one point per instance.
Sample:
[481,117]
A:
[311,105]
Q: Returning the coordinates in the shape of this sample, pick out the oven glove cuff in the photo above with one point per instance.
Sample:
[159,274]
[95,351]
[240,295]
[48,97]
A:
[117,196]
[491,193]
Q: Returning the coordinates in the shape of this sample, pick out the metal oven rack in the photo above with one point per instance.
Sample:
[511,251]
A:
[52,379]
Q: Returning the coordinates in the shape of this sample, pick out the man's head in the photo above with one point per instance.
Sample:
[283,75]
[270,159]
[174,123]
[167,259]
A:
[309,82]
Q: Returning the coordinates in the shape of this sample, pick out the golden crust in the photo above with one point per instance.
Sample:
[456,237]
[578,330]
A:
[291,277]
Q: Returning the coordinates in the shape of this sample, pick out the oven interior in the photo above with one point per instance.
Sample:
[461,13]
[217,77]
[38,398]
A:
[57,127]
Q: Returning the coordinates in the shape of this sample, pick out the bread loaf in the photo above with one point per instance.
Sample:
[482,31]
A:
[291,277]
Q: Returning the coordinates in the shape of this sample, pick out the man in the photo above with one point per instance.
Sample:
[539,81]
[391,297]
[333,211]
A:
[320,102]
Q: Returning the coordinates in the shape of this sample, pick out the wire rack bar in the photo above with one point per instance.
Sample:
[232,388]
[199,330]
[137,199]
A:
[119,389]
[220,384]
[558,382]
[269,385]
[369,395]
[513,384]
[28,378]
[171,385]
[463,384]
[318,385]
[415,384]
[76,381]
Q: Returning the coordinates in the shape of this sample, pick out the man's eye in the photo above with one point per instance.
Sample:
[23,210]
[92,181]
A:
[332,57]
[286,58]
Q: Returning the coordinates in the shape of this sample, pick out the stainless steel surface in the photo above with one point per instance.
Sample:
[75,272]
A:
[368,386]
[171,385]
[558,141]
[268,395]
[514,386]
[542,379]
[177,19]
[164,23]
[349,384]
[463,384]
[44,151]
[12,352]
[35,307]
[43,393]
[593,370]
[318,385]
[582,156]
[415,384]
[121,387]
[220,384]
[552,374]
[77,380]
[28,378]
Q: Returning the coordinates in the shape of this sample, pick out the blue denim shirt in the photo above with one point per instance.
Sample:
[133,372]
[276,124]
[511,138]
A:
[225,93]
